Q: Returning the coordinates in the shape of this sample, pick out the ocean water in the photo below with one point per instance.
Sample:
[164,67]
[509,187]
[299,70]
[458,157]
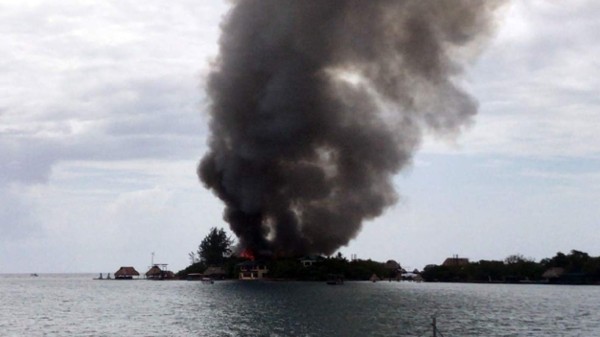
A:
[76,305]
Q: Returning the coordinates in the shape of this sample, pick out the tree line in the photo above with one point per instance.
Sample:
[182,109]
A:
[216,249]
[577,267]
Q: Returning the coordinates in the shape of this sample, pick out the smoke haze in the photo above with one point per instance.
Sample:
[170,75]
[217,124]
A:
[317,104]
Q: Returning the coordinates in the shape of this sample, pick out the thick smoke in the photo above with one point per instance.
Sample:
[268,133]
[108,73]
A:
[317,104]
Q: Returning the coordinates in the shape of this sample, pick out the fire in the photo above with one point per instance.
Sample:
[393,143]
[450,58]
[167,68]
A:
[247,254]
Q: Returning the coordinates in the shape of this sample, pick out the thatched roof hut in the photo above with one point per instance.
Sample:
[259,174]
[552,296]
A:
[153,272]
[455,262]
[126,273]
[156,273]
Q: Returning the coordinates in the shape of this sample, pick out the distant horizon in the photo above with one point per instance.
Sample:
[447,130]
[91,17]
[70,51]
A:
[411,267]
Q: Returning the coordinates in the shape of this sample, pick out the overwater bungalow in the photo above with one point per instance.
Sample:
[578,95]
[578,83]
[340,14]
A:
[158,273]
[126,273]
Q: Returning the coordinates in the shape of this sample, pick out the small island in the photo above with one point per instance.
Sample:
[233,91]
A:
[216,259]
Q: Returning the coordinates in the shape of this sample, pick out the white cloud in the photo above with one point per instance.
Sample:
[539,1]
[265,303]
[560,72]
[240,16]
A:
[97,79]
[100,129]
[537,85]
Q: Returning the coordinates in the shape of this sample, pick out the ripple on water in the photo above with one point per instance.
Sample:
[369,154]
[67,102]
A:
[68,306]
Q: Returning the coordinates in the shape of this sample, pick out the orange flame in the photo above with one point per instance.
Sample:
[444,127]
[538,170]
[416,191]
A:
[247,254]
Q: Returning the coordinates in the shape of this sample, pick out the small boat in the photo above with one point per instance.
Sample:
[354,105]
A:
[34,275]
[207,280]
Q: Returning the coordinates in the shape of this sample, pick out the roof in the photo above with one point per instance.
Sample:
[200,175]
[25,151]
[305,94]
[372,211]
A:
[126,271]
[214,271]
[313,258]
[155,270]
[455,261]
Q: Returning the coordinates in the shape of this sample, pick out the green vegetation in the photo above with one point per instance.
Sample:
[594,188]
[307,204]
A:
[215,250]
[575,268]
[292,268]
[215,247]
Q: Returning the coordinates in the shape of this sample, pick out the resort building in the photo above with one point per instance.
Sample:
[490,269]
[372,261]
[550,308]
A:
[310,260]
[252,270]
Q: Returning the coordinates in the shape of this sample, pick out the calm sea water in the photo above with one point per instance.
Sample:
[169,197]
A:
[76,305]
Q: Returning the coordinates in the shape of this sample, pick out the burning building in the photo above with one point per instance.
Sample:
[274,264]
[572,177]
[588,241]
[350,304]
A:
[252,270]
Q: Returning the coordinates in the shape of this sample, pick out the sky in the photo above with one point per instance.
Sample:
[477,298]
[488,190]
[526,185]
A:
[103,119]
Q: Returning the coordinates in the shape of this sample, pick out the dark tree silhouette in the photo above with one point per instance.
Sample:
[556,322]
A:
[214,247]
[517,258]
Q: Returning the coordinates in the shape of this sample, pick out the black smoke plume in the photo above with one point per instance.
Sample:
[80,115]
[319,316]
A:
[317,104]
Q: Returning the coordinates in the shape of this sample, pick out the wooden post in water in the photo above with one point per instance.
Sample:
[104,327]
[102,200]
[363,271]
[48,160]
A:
[434,325]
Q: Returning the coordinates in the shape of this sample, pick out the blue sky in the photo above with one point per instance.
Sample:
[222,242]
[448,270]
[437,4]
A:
[103,119]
